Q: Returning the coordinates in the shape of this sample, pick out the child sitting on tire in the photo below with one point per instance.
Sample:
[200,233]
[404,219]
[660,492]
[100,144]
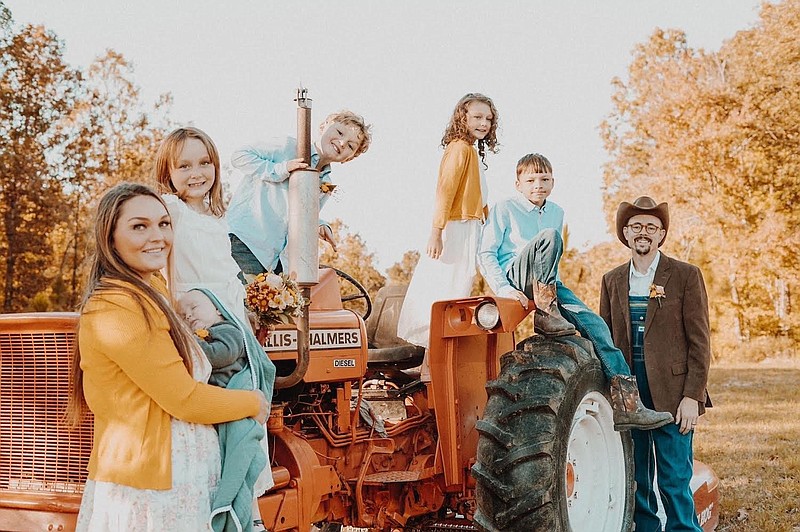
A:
[518,256]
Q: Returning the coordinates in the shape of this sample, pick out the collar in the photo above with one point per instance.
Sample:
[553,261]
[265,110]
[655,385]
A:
[528,206]
[651,270]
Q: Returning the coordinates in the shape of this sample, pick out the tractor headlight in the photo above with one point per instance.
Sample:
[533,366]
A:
[487,315]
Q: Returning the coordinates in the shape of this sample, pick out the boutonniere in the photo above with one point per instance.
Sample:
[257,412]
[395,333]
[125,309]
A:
[657,292]
[203,334]
[326,188]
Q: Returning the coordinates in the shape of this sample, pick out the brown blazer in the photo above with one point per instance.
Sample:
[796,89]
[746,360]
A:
[676,338]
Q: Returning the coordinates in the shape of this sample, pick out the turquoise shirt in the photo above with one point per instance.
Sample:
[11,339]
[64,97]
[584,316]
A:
[512,223]
[259,211]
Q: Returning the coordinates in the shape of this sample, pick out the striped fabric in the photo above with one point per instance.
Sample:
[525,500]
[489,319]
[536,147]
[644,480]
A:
[638,308]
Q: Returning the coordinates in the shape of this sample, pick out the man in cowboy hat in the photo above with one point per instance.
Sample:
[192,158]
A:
[657,310]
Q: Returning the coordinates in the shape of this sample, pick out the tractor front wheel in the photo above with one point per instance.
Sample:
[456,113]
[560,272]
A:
[548,457]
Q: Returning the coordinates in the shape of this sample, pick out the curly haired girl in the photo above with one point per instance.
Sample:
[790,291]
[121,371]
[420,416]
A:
[460,209]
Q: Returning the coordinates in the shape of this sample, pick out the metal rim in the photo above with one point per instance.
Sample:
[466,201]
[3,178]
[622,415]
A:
[594,470]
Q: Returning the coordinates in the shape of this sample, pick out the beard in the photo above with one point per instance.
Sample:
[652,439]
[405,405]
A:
[642,245]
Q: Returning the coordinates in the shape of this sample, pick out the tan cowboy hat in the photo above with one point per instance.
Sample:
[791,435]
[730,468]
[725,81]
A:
[641,205]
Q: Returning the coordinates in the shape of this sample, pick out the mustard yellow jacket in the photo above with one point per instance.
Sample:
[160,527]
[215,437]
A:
[135,383]
[458,190]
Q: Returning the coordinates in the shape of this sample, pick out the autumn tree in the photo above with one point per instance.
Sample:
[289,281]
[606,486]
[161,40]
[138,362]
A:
[66,135]
[37,90]
[112,137]
[401,272]
[716,134]
[353,258]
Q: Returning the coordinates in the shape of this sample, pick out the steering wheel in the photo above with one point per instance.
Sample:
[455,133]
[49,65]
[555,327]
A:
[362,292]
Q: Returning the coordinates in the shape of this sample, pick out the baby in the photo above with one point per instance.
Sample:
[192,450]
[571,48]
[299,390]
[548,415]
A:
[220,339]
[225,344]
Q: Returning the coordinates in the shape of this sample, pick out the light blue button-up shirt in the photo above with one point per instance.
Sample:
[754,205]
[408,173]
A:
[259,211]
[512,223]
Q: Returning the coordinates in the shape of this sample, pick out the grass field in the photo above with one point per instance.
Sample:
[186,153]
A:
[751,438]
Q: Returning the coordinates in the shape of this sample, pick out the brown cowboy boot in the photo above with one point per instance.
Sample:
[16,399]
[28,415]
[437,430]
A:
[547,319]
[629,412]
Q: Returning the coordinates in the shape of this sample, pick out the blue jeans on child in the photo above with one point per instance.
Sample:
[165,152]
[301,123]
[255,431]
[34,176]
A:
[670,452]
[247,261]
[592,327]
[538,261]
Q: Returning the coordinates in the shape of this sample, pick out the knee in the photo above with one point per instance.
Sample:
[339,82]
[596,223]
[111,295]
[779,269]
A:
[549,234]
[551,237]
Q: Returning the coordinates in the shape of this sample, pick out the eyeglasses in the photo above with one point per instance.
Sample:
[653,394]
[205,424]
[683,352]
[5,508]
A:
[651,229]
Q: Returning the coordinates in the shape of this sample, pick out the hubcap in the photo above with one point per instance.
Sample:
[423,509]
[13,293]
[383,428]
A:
[594,476]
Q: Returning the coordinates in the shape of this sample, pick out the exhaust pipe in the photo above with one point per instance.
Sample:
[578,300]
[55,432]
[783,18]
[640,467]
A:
[303,247]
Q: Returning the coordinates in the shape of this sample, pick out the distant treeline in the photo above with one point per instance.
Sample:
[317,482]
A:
[715,134]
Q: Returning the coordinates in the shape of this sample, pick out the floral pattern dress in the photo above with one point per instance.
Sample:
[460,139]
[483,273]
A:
[186,507]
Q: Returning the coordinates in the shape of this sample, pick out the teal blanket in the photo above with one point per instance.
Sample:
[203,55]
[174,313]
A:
[243,457]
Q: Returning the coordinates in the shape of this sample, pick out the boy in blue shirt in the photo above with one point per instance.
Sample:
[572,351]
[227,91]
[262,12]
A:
[518,256]
[259,211]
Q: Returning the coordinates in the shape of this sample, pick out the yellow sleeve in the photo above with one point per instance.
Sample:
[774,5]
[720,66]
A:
[452,172]
[114,327]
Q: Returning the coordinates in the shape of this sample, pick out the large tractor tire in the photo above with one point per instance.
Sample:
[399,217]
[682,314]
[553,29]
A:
[548,457]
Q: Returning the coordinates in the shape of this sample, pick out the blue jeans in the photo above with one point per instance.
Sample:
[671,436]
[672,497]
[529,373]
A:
[538,261]
[248,263]
[592,327]
[670,452]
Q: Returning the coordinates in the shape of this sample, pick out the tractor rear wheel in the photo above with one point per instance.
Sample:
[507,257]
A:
[548,457]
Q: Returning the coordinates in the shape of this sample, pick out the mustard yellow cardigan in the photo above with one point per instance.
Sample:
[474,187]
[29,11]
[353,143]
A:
[135,383]
[458,190]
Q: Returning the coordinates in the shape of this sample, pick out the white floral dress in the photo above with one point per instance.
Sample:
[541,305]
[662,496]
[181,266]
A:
[186,507]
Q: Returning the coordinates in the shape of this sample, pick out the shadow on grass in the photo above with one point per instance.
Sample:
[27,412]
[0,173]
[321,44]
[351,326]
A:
[750,438]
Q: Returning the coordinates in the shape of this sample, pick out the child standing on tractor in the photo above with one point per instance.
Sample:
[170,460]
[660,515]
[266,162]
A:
[519,252]
[448,270]
[237,362]
[187,174]
[258,213]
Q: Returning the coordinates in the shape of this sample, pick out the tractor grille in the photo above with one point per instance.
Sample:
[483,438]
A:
[37,453]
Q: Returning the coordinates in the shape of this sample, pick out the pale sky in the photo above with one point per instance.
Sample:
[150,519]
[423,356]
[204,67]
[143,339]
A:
[233,68]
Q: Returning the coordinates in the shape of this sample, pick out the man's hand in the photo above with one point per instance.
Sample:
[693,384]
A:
[326,234]
[688,413]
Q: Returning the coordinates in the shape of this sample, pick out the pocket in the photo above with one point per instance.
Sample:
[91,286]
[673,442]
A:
[680,368]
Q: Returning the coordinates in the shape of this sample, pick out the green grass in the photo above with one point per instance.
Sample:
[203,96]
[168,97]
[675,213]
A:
[751,438]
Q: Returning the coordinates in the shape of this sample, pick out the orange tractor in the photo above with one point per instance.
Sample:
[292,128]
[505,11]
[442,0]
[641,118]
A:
[507,436]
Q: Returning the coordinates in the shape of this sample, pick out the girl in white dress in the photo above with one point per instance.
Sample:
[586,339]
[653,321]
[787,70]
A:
[187,171]
[449,266]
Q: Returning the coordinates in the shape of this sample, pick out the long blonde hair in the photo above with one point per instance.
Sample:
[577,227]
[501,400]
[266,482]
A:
[457,127]
[167,155]
[109,273]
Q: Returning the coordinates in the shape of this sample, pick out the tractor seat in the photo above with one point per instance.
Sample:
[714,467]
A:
[385,349]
